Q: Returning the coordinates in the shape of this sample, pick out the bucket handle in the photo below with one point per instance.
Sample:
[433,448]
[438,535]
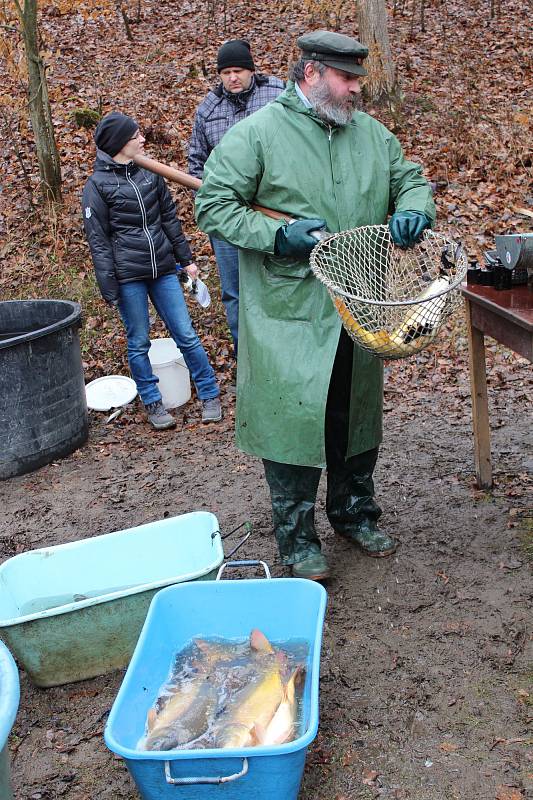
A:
[219,779]
[248,528]
[252,563]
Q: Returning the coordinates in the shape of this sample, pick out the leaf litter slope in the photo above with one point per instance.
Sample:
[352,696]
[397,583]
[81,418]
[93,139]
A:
[425,691]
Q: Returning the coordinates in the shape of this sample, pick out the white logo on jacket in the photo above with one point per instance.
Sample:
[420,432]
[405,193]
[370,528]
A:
[88,212]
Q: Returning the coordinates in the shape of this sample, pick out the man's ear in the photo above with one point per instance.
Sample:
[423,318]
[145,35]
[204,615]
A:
[311,74]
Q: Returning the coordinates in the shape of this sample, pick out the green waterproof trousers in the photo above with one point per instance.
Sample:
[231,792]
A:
[350,485]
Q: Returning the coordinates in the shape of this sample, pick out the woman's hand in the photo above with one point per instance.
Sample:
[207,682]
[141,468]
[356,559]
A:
[192,270]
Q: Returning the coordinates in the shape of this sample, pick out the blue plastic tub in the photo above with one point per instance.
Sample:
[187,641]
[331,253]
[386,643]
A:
[9,703]
[283,609]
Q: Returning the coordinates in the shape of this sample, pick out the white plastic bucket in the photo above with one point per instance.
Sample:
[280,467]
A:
[169,366]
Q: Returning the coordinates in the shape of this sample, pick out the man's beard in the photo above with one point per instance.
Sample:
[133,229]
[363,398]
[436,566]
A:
[330,108]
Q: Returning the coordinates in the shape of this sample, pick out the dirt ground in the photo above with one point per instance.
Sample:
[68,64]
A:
[426,689]
[426,673]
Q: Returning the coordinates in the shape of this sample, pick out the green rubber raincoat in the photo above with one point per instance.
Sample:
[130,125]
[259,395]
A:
[285,158]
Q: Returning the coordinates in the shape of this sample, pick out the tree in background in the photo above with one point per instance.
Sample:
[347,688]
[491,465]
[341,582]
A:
[381,84]
[38,101]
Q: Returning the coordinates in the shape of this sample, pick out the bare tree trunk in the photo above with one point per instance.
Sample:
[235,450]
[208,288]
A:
[211,23]
[381,84]
[39,103]
[125,19]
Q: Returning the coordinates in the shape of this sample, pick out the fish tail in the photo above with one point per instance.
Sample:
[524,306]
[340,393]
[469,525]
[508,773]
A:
[151,718]
[295,682]
[259,642]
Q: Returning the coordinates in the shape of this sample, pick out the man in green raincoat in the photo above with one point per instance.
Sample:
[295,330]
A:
[307,397]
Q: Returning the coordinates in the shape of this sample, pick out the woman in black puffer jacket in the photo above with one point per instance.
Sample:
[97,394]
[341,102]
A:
[136,240]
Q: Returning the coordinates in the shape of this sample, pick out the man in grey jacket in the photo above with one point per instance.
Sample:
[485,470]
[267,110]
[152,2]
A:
[240,92]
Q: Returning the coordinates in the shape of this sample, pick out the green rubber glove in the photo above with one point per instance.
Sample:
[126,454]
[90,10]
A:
[406,227]
[295,238]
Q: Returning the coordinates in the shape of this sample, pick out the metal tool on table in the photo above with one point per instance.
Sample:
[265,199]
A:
[510,264]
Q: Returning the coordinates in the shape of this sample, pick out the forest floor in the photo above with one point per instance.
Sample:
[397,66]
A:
[426,687]
[426,676]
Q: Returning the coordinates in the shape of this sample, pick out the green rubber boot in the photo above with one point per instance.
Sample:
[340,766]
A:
[370,539]
[293,492]
[314,568]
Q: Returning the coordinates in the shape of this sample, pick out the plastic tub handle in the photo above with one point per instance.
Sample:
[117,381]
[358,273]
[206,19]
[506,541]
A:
[252,563]
[248,528]
[219,779]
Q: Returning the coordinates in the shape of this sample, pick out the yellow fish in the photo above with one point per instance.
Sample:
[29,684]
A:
[185,714]
[422,319]
[377,341]
[184,717]
[255,705]
[281,727]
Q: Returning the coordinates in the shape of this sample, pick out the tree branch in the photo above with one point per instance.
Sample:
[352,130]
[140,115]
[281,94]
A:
[20,11]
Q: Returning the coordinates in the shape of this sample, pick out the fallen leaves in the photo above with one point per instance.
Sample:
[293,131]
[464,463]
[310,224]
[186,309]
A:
[369,777]
[84,692]
[349,758]
[504,792]
[448,747]
[510,564]
[517,740]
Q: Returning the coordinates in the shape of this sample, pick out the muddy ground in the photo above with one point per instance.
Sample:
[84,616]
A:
[426,681]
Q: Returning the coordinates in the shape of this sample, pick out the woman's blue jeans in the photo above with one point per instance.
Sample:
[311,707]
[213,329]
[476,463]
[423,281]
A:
[227,257]
[167,296]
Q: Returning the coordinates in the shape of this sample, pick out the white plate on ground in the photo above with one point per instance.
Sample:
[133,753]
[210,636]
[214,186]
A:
[111,391]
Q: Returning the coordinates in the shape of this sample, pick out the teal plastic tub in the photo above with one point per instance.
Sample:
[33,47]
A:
[74,611]
[284,609]
[9,703]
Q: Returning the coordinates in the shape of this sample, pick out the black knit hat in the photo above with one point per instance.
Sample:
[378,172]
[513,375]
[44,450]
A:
[235,53]
[114,131]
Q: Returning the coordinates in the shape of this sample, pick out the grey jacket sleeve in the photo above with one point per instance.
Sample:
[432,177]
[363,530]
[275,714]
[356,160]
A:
[172,226]
[199,148]
[98,233]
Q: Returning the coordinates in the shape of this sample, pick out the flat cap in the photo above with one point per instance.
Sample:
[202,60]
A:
[334,50]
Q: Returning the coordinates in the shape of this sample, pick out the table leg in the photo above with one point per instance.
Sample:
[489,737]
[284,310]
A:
[480,406]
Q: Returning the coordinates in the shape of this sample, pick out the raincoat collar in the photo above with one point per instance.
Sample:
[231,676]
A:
[307,103]
[291,99]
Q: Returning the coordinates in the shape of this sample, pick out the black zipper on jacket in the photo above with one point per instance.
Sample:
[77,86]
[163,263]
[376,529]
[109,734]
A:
[145,224]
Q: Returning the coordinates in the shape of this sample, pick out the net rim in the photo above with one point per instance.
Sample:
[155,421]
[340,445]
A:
[461,273]
[393,303]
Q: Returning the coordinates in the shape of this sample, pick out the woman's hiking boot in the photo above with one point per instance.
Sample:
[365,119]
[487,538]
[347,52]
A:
[158,416]
[211,410]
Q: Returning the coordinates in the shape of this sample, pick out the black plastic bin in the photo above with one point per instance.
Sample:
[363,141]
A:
[43,409]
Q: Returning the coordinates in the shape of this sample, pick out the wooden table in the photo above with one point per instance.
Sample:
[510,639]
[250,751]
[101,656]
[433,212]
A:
[507,316]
